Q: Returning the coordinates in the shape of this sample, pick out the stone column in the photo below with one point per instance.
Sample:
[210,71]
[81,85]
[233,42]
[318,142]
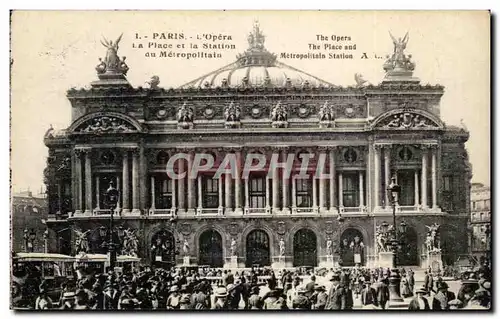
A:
[153,193]
[237,185]
[135,182]
[322,191]
[88,182]
[268,194]
[332,178]
[276,194]
[191,185]
[118,187]
[387,172]
[78,182]
[361,190]
[341,191]
[423,178]
[97,194]
[181,187]
[221,197]
[247,194]
[125,188]
[294,194]
[200,194]
[228,182]
[434,177]
[315,193]
[286,182]
[417,195]
[376,188]
[174,196]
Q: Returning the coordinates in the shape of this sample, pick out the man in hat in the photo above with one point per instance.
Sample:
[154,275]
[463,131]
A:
[381,293]
[320,297]
[173,300]
[111,296]
[275,299]
[234,296]
[301,301]
[200,298]
[419,302]
[368,295]
[68,301]
[442,297]
[220,295]
[337,299]
[254,301]
[428,282]
[481,298]
[310,287]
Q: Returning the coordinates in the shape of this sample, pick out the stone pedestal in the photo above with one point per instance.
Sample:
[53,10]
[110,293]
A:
[278,262]
[186,261]
[433,261]
[385,259]
[327,261]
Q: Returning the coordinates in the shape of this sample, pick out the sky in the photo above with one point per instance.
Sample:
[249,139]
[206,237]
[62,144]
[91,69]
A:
[53,51]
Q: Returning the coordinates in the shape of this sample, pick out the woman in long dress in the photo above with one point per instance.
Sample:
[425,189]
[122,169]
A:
[406,291]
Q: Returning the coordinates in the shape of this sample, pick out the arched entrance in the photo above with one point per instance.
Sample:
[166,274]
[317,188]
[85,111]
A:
[210,244]
[352,248]
[258,248]
[408,250]
[163,250]
[304,248]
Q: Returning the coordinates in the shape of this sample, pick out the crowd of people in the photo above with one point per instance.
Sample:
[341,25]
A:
[263,288]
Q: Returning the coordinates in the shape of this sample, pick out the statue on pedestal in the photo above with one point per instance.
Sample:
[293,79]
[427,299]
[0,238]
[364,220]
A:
[185,247]
[282,247]
[81,242]
[432,241]
[233,248]
[329,247]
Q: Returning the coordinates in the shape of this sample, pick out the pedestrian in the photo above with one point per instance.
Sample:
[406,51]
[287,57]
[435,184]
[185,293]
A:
[301,301]
[419,302]
[336,296]
[406,292]
[368,296]
[220,299]
[43,301]
[381,293]
[173,300]
[321,297]
[68,300]
[442,297]
[254,301]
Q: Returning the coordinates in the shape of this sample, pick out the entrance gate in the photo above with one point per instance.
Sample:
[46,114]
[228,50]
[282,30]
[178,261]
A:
[211,249]
[258,249]
[304,248]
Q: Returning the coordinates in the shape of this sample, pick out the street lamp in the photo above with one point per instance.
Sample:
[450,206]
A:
[112,196]
[395,279]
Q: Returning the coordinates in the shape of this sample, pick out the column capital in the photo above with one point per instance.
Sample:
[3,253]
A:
[377,147]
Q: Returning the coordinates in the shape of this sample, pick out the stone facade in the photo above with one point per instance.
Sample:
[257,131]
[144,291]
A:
[365,134]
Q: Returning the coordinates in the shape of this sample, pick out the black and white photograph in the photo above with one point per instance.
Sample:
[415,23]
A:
[250,161]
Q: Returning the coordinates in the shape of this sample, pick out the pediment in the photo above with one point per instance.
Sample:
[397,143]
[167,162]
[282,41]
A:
[102,123]
[403,119]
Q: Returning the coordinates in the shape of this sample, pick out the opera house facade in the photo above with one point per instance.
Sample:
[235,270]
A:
[362,136]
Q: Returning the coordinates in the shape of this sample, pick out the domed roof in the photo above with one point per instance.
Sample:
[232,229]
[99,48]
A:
[257,67]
